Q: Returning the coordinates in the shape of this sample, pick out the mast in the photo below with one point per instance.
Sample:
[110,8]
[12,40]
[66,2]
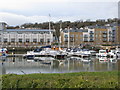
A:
[50,28]
[68,37]
[60,33]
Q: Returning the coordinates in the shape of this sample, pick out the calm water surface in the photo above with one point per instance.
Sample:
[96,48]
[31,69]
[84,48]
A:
[18,65]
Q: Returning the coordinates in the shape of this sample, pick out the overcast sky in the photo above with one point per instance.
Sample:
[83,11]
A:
[17,12]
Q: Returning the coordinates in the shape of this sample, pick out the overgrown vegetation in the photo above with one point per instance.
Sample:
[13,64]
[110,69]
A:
[64,80]
[64,24]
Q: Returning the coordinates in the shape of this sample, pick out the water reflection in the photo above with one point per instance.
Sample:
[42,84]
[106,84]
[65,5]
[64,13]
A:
[18,65]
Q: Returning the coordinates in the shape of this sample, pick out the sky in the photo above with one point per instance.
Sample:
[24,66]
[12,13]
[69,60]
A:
[18,12]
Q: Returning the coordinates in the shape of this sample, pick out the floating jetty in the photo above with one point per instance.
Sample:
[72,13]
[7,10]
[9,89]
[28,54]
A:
[15,55]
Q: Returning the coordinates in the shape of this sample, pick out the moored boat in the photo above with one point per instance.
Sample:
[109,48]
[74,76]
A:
[3,52]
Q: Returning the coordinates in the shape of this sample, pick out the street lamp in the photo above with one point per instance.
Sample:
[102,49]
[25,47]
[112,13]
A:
[13,51]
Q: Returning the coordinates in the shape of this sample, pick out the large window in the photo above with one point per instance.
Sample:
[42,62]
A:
[72,35]
[66,40]
[20,39]
[48,40]
[27,40]
[41,40]
[13,40]
[85,36]
[66,36]
[5,40]
[35,40]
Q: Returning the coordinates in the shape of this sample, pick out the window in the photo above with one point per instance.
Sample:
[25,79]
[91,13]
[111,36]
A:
[20,39]
[91,40]
[104,36]
[71,39]
[41,40]
[35,40]
[104,32]
[48,40]
[76,35]
[66,36]
[104,40]
[13,40]
[5,40]
[91,35]
[66,40]
[27,40]
[85,36]
[72,35]
[91,32]
[85,40]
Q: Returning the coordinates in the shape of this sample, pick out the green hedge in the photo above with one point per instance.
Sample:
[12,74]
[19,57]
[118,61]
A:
[66,80]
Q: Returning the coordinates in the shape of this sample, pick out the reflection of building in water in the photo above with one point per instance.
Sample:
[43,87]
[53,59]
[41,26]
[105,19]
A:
[3,70]
[58,66]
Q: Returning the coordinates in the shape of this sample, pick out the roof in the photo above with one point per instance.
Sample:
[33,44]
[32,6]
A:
[28,30]
[76,30]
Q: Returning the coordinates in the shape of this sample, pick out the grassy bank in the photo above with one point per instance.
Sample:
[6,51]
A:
[64,80]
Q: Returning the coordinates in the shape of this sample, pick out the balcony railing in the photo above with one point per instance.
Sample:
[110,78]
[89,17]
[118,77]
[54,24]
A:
[91,33]
[85,40]
[104,36]
[91,40]
[104,32]
[85,36]
[104,40]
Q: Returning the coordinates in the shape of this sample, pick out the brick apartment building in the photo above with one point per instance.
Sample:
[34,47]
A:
[92,35]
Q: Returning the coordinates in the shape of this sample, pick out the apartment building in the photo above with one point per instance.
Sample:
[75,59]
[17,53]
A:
[92,35]
[73,37]
[26,36]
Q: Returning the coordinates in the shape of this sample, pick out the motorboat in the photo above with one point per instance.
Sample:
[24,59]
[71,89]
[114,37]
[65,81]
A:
[113,60]
[92,53]
[43,58]
[3,52]
[74,58]
[102,53]
[112,53]
[117,52]
[45,51]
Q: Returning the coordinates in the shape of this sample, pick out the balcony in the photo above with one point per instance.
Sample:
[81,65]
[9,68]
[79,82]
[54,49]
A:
[104,36]
[104,40]
[85,40]
[85,36]
[104,32]
[66,40]
[91,36]
[113,36]
[72,36]
[66,36]
[91,40]
[110,32]
[91,32]
[71,40]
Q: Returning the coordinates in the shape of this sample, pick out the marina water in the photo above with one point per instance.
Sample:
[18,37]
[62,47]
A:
[19,65]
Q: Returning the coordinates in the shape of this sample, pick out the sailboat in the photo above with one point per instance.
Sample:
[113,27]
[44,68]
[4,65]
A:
[45,51]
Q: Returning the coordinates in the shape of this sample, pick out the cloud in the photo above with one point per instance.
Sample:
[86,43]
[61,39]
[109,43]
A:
[14,19]
[17,12]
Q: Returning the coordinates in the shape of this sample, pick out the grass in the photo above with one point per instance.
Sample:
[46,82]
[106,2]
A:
[63,80]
